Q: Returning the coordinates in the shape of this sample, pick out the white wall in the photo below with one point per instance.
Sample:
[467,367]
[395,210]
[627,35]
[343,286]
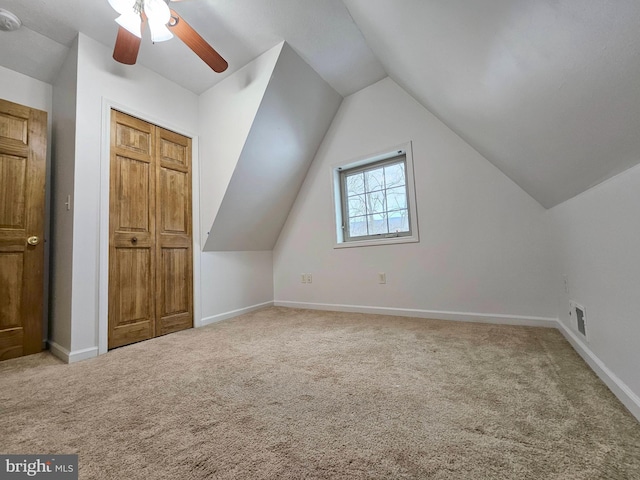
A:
[484,244]
[231,282]
[64,142]
[294,115]
[18,88]
[88,85]
[234,283]
[142,92]
[597,248]
[226,113]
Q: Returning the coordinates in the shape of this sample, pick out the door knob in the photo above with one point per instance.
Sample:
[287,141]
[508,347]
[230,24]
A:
[33,240]
[134,240]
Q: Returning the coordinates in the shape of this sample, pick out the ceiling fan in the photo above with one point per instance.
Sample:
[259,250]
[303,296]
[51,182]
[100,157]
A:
[163,23]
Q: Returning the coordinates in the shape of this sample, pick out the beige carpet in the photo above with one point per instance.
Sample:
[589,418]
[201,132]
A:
[293,394]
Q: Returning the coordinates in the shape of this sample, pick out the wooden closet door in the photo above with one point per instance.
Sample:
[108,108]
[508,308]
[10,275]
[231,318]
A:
[150,232]
[174,240]
[23,150]
[132,231]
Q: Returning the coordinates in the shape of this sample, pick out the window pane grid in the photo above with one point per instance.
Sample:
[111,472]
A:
[384,210]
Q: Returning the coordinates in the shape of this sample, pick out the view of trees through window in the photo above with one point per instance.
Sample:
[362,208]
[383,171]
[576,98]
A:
[376,200]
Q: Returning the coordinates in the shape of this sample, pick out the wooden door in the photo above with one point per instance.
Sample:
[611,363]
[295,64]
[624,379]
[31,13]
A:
[173,251]
[23,147]
[150,253]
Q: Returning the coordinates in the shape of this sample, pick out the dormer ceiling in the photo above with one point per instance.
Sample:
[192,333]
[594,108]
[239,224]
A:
[546,90]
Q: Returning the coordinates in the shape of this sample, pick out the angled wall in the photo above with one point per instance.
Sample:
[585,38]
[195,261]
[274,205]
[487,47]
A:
[293,117]
[226,113]
[597,249]
[231,282]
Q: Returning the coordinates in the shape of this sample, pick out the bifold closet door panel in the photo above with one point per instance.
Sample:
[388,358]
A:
[132,231]
[174,240]
[150,243]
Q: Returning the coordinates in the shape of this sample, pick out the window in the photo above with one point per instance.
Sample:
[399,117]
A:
[374,200]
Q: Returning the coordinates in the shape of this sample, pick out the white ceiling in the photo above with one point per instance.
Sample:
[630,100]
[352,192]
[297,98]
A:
[320,31]
[547,90]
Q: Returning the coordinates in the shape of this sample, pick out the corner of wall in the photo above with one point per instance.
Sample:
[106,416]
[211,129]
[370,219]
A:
[62,198]
[619,388]
[595,252]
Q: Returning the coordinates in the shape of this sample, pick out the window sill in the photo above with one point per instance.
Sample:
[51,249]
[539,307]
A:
[377,241]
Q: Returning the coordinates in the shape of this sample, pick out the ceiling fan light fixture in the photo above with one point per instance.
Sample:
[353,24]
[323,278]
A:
[131,22]
[157,11]
[163,24]
[158,14]
[123,7]
[159,32]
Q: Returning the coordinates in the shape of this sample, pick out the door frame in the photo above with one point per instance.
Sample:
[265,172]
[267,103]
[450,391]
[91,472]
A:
[103,247]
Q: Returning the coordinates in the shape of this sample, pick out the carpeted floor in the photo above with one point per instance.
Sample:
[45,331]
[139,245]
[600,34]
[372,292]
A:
[292,394]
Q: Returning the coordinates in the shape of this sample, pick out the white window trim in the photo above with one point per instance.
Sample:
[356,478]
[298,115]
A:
[406,149]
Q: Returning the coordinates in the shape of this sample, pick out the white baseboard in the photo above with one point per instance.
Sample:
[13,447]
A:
[620,389]
[433,314]
[233,313]
[78,355]
[72,357]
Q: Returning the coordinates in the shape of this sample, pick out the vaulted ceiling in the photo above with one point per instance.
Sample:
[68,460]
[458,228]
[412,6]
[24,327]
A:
[321,31]
[546,90]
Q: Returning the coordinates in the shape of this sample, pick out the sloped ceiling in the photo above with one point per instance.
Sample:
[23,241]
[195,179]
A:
[320,31]
[226,114]
[291,121]
[547,90]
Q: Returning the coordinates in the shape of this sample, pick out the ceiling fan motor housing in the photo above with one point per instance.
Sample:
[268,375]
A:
[8,21]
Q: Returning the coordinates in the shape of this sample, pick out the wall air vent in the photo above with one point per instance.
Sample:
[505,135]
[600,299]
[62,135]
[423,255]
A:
[579,316]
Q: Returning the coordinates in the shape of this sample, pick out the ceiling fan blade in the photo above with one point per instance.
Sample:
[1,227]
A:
[195,42]
[127,47]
